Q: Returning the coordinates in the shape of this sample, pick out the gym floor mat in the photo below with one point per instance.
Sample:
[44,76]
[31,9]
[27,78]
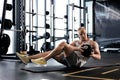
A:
[43,69]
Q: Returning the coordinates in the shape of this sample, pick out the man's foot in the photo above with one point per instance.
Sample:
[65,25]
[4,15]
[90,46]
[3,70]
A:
[23,52]
[40,61]
[23,58]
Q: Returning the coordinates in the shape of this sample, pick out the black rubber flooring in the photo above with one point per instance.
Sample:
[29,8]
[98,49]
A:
[108,68]
[101,73]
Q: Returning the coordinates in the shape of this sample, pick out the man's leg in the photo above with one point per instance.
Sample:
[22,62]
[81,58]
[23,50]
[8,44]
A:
[25,58]
[39,55]
[57,51]
[54,53]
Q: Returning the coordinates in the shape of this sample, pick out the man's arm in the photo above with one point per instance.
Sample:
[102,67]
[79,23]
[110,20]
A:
[74,48]
[73,43]
[96,52]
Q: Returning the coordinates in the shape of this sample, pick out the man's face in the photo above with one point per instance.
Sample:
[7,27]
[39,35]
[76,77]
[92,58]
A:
[82,34]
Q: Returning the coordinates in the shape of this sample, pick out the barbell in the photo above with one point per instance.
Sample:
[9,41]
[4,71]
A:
[45,35]
[47,13]
[47,26]
[19,30]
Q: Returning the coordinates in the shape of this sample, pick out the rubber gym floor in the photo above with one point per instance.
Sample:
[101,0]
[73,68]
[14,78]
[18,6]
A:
[108,68]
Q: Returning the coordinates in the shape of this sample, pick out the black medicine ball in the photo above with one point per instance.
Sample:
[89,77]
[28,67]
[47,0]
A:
[87,50]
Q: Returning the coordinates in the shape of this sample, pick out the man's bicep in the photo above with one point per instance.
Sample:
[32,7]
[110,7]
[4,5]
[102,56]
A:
[96,48]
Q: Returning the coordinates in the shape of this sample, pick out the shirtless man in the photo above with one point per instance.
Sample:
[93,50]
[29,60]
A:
[67,54]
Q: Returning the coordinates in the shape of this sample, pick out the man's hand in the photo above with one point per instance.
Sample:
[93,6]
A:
[92,54]
[81,49]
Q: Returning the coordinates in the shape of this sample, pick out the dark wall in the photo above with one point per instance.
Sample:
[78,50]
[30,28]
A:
[107,21]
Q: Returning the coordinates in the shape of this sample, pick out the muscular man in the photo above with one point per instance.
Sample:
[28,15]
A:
[70,55]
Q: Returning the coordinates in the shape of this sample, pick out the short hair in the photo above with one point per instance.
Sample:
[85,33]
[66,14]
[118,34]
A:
[81,28]
[82,25]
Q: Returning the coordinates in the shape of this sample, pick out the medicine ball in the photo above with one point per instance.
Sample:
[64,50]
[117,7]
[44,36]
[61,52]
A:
[87,50]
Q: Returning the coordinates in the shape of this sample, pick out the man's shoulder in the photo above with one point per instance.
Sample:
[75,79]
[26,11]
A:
[93,42]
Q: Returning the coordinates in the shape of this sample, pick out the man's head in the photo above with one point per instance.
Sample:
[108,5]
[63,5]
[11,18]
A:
[82,33]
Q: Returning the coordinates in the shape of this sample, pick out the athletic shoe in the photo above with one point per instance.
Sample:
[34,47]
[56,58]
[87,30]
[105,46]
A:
[23,52]
[40,61]
[23,58]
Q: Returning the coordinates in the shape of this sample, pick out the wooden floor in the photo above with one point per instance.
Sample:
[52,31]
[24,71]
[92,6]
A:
[11,70]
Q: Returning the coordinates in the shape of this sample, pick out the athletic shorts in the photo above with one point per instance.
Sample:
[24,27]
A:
[69,61]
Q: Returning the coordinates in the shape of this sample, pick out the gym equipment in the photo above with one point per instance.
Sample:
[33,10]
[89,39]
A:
[8,24]
[47,26]
[45,35]
[32,51]
[47,13]
[87,50]
[90,35]
[46,47]
[4,44]
[25,31]
[65,16]
[73,18]
[64,37]
[4,38]
[44,69]
[9,7]
[73,5]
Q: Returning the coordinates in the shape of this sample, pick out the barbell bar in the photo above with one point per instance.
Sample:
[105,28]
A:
[19,30]
[47,26]
[45,35]
[48,16]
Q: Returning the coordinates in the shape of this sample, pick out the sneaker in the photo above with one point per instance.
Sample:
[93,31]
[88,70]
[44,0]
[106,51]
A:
[23,58]
[40,61]
[23,52]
